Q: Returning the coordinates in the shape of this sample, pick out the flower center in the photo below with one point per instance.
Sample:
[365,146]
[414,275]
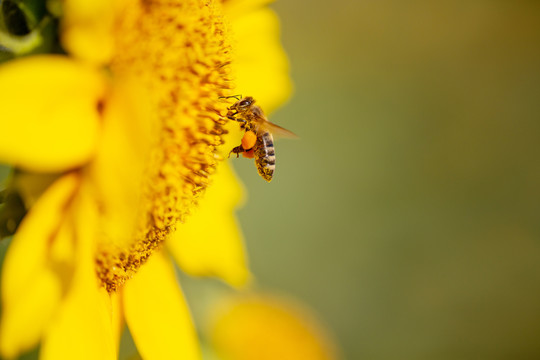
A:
[179,52]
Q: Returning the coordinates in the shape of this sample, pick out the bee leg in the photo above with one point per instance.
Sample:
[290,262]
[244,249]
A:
[231,117]
[237,150]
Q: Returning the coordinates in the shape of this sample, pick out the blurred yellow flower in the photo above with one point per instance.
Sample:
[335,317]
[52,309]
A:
[127,129]
[265,327]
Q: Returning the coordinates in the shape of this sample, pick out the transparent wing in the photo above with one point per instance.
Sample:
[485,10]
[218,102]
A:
[277,130]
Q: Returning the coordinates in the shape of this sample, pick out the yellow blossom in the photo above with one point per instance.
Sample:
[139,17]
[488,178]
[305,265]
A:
[261,326]
[127,128]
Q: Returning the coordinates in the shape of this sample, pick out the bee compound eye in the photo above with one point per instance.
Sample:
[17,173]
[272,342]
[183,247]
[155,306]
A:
[244,103]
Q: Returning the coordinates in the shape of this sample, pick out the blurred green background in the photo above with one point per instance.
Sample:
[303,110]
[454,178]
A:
[408,214]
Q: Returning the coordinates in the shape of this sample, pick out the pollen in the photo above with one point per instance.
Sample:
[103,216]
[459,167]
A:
[179,51]
[248,140]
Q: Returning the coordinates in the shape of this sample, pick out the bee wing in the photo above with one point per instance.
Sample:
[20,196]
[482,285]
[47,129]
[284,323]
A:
[278,131]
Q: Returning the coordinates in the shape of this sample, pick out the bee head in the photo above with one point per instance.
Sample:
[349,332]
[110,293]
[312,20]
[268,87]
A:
[243,104]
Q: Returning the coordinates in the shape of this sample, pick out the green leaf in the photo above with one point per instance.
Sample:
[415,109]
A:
[25,28]
[5,170]
[12,211]
[20,17]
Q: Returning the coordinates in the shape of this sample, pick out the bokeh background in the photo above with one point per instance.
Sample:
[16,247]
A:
[408,214]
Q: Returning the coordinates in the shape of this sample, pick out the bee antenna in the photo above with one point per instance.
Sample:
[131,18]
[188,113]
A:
[237,97]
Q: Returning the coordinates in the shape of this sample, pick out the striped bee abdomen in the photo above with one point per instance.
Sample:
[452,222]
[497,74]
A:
[265,157]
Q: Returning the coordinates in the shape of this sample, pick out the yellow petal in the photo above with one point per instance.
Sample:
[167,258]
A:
[27,317]
[32,278]
[31,185]
[23,322]
[118,166]
[83,327]
[210,242]
[82,330]
[262,68]
[157,314]
[29,249]
[117,317]
[87,29]
[237,8]
[267,328]
[50,112]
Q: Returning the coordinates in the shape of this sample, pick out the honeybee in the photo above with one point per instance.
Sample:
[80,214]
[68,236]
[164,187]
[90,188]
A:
[257,141]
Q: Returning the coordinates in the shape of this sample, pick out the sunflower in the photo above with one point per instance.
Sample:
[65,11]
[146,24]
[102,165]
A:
[114,140]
